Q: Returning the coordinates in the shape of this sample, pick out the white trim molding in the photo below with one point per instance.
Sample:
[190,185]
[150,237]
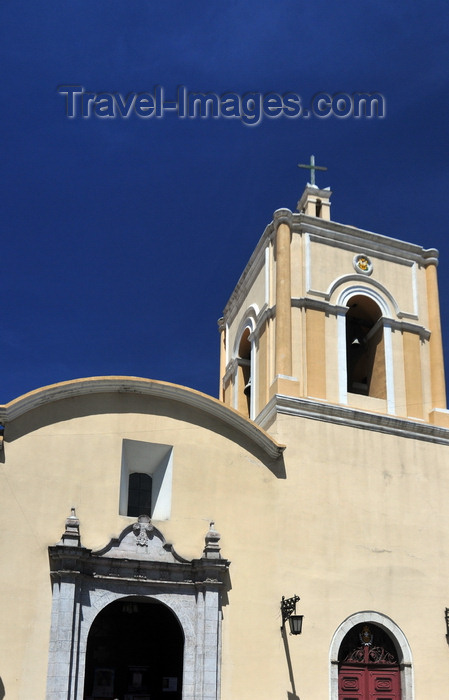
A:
[341,356]
[393,631]
[143,387]
[249,321]
[366,291]
[312,409]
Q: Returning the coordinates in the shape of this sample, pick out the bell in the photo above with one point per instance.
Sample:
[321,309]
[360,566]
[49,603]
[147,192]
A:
[247,389]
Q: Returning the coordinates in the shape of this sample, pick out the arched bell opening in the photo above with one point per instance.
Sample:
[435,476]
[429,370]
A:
[368,665]
[365,350]
[244,373]
[135,651]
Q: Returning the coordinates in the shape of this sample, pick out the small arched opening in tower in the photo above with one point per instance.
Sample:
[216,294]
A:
[244,362]
[365,351]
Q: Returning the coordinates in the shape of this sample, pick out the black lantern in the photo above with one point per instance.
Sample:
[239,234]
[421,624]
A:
[288,611]
[295,622]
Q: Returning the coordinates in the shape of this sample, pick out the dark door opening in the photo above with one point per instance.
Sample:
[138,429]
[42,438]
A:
[134,652]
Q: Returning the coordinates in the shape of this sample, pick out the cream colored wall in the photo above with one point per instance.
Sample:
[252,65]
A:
[316,354]
[400,361]
[262,367]
[359,523]
[329,261]
[299,364]
[413,375]
[76,461]
[367,526]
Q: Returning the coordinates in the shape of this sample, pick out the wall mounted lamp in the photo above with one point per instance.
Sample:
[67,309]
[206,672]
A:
[288,611]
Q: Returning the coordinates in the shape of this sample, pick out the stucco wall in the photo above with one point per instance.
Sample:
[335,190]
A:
[349,519]
[69,454]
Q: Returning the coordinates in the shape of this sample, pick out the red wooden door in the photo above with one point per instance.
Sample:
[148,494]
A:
[367,683]
[351,683]
[369,668]
[384,685]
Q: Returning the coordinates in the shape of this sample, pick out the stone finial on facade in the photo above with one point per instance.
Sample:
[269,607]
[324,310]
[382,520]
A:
[71,536]
[212,548]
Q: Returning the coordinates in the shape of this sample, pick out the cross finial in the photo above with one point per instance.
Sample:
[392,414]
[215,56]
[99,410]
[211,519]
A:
[312,167]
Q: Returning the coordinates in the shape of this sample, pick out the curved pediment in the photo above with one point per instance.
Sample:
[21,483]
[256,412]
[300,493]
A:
[141,541]
[139,553]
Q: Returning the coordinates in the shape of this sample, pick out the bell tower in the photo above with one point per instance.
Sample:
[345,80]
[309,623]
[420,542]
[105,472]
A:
[326,314]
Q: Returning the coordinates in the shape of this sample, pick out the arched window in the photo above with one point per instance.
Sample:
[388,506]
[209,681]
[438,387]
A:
[139,494]
[365,351]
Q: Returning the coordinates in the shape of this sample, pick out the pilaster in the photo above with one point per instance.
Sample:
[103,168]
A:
[283,294]
[435,342]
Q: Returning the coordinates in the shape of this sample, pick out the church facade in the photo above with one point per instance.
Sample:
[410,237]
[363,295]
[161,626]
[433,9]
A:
[158,543]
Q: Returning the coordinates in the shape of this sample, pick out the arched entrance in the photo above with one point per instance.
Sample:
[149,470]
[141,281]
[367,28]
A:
[134,651]
[368,666]
[159,610]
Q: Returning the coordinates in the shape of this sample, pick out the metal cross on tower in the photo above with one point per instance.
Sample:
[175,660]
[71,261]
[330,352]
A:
[312,167]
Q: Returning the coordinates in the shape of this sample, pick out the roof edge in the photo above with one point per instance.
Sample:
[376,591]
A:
[150,387]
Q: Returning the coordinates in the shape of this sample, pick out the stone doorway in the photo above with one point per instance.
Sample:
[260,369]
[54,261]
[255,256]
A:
[134,651]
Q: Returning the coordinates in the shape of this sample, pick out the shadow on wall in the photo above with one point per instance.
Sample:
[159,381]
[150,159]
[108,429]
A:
[2,690]
[292,695]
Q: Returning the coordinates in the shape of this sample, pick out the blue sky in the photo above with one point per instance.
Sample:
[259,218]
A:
[122,239]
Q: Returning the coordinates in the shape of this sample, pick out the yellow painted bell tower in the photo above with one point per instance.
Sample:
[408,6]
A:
[331,318]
